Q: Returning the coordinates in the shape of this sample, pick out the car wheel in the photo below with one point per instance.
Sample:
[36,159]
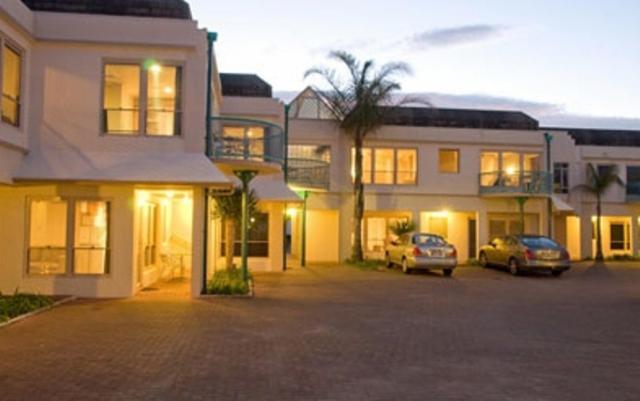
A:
[557,273]
[447,272]
[514,269]
[387,261]
[405,266]
[483,260]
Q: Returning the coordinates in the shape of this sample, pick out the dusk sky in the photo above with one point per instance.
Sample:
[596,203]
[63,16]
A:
[567,63]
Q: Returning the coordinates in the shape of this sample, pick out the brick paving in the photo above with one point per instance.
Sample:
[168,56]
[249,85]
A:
[336,333]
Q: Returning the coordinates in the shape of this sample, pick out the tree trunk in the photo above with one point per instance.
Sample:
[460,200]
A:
[229,245]
[599,253]
[358,204]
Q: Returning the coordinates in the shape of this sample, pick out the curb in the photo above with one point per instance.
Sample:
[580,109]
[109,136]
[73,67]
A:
[37,312]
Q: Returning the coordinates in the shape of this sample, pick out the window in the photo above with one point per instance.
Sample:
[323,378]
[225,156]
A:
[313,152]
[449,161]
[618,237]
[387,166]
[123,103]
[258,238]
[91,244]
[11,82]
[47,237]
[310,106]
[633,180]
[508,168]
[377,230]
[49,251]
[244,142]
[561,178]
[604,169]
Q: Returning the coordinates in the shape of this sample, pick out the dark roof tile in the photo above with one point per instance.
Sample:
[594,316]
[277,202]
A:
[176,9]
[246,85]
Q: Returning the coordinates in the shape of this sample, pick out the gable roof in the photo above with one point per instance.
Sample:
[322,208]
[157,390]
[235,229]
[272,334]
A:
[176,9]
[602,137]
[460,118]
[245,85]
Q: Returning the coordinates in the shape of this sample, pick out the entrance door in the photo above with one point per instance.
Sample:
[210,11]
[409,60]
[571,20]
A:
[147,248]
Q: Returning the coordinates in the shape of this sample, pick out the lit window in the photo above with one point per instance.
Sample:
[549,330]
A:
[91,231]
[11,77]
[489,168]
[163,90]
[367,165]
[406,166]
[511,169]
[619,236]
[47,237]
[449,161]
[384,166]
[244,142]
[122,99]
[531,162]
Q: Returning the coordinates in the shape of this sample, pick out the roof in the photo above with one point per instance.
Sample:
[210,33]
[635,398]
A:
[602,137]
[460,118]
[120,167]
[176,9]
[245,85]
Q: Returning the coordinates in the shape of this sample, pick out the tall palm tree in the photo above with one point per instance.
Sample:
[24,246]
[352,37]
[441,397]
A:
[356,101]
[598,182]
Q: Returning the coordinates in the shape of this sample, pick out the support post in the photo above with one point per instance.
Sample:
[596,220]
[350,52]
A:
[303,257]
[211,38]
[245,177]
[286,144]
[521,202]
[548,138]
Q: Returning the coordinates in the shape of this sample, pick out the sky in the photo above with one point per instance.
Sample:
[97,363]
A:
[565,62]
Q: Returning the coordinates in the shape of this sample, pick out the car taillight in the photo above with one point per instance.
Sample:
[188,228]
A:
[530,254]
[417,251]
[453,252]
[566,255]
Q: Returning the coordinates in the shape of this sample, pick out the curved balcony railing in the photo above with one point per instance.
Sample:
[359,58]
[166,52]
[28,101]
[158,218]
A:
[518,183]
[308,173]
[242,139]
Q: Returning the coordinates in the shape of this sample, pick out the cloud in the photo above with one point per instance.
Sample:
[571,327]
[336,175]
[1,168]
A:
[455,35]
[548,114]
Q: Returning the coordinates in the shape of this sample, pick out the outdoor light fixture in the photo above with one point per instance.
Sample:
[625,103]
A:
[292,212]
[143,198]
[442,214]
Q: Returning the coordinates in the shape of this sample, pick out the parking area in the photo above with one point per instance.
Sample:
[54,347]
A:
[339,333]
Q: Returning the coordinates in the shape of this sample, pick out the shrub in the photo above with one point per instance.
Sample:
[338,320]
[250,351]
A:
[623,258]
[228,282]
[21,304]
[368,264]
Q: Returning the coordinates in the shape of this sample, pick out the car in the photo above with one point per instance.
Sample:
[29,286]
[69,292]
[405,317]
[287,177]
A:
[526,253]
[421,251]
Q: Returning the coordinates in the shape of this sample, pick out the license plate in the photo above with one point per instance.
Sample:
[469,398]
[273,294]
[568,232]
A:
[549,255]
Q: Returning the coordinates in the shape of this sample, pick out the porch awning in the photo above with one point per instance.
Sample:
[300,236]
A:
[560,205]
[119,167]
[272,188]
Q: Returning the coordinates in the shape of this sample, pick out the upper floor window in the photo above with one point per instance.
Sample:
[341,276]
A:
[561,178]
[312,152]
[11,84]
[449,161]
[387,166]
[633,180]
[142,100]
[507,168]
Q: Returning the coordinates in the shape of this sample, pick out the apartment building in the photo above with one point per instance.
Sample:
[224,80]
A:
[115,138]
[464,174]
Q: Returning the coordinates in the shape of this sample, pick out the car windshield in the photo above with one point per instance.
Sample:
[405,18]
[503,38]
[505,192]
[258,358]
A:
[429,240]
[539,243]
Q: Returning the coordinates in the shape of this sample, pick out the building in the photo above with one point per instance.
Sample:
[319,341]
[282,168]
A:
[463,174]
[115,142]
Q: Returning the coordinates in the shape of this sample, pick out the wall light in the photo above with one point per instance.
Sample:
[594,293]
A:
[155,68]
[292,212]
[441,214]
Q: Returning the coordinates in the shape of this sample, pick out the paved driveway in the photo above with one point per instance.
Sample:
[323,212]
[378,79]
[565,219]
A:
[335,333]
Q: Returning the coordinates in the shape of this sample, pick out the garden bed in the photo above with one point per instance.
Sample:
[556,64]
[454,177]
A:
[229,283]
[16,307]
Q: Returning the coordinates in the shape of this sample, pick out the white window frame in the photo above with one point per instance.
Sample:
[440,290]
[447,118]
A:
[5,41]
[395,150]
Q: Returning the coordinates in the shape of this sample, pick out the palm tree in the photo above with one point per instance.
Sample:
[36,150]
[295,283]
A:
[229,210]
[598,182]
[356,102]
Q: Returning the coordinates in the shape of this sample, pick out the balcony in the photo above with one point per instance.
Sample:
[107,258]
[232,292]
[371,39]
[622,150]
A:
[308,174]
[523,183]
[247,144]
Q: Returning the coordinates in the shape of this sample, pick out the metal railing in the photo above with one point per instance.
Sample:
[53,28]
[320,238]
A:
[247,139]
[308,173]
[523,182]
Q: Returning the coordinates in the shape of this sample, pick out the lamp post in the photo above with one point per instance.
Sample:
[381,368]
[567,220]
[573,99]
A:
[548,138]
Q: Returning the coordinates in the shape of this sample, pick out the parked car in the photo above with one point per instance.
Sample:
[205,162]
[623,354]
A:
[522,253]
[422,251]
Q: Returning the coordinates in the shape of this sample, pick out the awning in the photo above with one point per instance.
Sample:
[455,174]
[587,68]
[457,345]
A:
[272,188]
[119,167]
[560,205]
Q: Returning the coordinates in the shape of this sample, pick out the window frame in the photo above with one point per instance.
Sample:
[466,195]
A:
[143,96]
[70,248]
[457,152]
[372,174]
[563,168]
[21,52]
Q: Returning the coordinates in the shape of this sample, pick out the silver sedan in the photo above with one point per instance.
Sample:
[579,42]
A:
[422,251]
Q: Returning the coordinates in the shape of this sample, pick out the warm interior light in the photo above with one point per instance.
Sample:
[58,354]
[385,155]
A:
[155,68]
[511,170]
[168,90]
[142,198]
[292,212]
[441,214]
[594,218]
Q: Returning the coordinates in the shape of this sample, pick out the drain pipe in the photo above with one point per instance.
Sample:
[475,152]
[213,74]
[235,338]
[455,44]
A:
[286,182]
[211,38]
